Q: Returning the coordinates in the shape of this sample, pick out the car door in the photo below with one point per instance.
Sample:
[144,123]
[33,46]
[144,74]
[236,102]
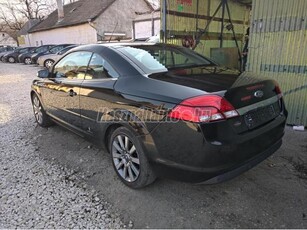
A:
[61,91]
[97,93]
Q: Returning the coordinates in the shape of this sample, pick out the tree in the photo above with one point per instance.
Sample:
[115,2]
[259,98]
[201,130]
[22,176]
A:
[14,14]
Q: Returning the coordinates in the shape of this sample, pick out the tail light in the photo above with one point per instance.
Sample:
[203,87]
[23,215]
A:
[205,108]
[278,91]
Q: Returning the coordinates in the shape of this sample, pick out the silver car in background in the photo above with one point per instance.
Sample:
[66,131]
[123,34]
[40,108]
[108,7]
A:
[49,59]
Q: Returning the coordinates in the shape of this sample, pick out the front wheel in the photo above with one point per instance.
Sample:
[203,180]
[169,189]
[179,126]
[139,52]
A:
[40,115]
[48,63]
[129,160]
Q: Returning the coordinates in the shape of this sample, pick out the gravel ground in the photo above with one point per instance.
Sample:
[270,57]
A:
[36,192]
[53,178]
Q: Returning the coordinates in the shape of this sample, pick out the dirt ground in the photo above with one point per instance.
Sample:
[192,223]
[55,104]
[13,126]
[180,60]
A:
[271,195]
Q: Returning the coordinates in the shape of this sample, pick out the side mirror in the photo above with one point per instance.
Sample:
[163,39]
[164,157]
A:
[44,73]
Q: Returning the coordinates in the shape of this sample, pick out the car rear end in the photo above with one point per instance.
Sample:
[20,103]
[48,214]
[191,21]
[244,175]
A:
[4,58]
[21,57]
[34,58]
[40,60]
[216,136]
[218,122]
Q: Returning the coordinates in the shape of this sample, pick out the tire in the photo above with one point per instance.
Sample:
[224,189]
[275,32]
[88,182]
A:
[11,60]
[48,63]
[129,160]
[28,61]
[39,113]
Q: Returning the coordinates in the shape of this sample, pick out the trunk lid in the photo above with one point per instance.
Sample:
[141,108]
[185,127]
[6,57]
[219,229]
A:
[240,90]
[256,100]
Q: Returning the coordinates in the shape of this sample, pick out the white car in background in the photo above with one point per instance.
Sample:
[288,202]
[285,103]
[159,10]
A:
[49,59]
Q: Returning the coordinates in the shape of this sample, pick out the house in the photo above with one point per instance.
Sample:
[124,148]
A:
[147,25]
[7,40]
[23,34]
[89,21]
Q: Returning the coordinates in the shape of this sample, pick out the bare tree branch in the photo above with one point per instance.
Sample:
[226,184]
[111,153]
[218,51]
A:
[15,13]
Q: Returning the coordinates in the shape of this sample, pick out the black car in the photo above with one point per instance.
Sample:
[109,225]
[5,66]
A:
[12,56]
[162,110]
[26,57]
[5,50]
[52,50]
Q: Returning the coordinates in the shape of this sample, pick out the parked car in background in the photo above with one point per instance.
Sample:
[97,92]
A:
[12,56]
[48,59]
[26,57]
[5,50]
[163,110]
[51,50]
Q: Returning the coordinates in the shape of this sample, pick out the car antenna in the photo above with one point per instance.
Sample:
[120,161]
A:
[113,31]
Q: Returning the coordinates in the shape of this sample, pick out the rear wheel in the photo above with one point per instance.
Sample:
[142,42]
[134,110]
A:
[11,59]
[129,160]
[27,61]
[40,115]
[48,63]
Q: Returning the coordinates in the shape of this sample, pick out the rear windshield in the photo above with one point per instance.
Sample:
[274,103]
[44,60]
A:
[155,59]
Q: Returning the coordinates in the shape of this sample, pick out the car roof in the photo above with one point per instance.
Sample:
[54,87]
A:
[119,44]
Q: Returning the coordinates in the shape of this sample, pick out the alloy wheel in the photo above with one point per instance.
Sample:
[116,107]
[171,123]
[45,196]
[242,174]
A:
[28,61]
[125,158]
[37,110]
[48,63]
[11,60]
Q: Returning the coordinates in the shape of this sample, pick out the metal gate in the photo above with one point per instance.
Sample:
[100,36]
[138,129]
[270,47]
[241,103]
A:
[278,50]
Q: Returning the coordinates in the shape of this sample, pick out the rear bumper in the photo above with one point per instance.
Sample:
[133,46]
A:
[40,61]
[21,59]
[246,166]
[182,152]
[34,60]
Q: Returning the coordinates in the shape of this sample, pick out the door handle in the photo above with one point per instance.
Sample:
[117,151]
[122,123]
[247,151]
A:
[72,93]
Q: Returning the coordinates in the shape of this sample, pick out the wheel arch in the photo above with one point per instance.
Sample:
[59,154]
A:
[123,118]
[48,59]
[34,92]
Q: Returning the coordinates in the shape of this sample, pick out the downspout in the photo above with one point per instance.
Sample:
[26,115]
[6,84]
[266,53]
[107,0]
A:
[152,24]
[164,9]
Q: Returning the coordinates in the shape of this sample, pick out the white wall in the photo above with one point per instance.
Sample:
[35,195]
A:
[80,34]
[143,29]
[6,40]
[119,16]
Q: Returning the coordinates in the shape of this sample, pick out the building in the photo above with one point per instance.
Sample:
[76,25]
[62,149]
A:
[146,25]
[23,33]
[7,40]
[89,21]
[277,40]
[278,50]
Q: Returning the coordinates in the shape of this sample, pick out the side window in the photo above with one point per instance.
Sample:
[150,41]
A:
[72,66]
[99,68]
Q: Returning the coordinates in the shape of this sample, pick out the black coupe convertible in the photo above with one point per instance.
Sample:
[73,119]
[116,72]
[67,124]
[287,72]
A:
[162,110]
